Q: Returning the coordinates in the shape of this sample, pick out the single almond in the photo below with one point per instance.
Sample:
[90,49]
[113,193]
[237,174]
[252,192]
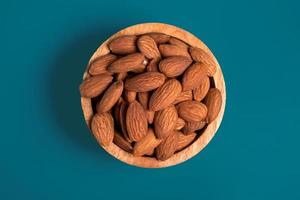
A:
[167,147]
[213,102]
[116,111]
[179,124]
[199,55]
[122,116]
[153,65]
[165,95]
[184,140]
[123,45]
[184,96]
[136,121]
[178,42]
[103,128]
[200,92]
[143,98]
[110,97]
[121,76]
[190,127]
[174,66]
[146,145]
[127,63]
[192,111]
[159,38]
[145,82]
[120,141]
[167,50]
[165,121]
[193,76]
[95,85]
[148,47]
[99,65]
[150,116]
[129,95]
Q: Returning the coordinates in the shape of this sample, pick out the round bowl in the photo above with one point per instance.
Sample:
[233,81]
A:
[207,134]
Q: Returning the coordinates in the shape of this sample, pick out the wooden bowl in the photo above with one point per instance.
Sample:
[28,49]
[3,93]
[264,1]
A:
[202,140]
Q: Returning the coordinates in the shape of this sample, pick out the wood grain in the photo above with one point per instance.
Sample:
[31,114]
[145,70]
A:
[201,141]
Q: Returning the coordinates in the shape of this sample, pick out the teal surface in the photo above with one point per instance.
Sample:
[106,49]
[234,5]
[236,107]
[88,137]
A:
[47,152]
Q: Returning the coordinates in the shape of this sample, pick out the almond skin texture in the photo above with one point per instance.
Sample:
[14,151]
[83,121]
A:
[153,65]
[179,124]
[192,111]
[128,63]
[167,147]
[143,98]
[99,65]
[123,45]
[213,102]
[190,127]
[159,38]
[103,128]
[174,66]
[178,43]
[95,85]
[165,95]
[148,47]
[184,96]
[121,142]
[165,121]
[167,50]
[122,117]
[146,145]
[129,95]
[145,82]
[184,140]
[200,55]
[136,121]
[110,97]
[193,76]
[121,76]
[200,92]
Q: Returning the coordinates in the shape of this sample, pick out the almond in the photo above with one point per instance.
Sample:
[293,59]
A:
[178,43]
[174,66]
[184,96]
[153,65]
[127,63]
[123,45]
[192,111]
[121,76]
[213,102]
[136,121]
[121,142]
[116,111]
[103,128]
[167,50]
[148,47]
[200,92]
[165,121]
[179,124]
[167,147]
[190,127]
[122,116]
[150,116]
[146,145]
[99,65]
[110,97]
[95,85]
[193,76]
[145,82]
[199,55]
[143,98]
[129,95]
[165,95]
[159,38]
[184,140]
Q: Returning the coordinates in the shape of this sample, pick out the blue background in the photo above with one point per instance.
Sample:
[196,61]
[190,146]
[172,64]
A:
[47,152]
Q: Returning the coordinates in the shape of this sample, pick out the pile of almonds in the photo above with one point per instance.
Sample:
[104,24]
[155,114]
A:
[152,94]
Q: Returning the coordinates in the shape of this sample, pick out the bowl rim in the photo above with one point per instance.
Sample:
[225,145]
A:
[202,141]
